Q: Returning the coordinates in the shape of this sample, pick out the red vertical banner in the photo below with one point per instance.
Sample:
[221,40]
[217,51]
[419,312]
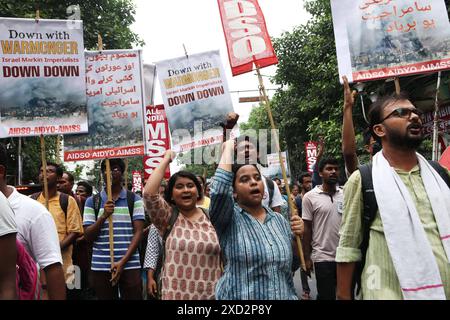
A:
[157,139]
[246,35]
[311,155]
[137,181]
[445,159]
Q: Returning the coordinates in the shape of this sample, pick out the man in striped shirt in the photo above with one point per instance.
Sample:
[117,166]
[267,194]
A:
[127,228]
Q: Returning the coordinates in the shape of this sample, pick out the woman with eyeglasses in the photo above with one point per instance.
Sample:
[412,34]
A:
[191,250]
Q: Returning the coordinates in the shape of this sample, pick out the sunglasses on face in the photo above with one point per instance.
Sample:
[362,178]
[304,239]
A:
[403,113]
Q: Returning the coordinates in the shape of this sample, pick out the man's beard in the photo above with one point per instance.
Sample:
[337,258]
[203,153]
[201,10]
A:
[405,141]
[331,181]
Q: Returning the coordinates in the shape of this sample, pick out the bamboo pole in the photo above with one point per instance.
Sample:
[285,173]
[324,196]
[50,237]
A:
[58,147]
[435,154]
[44,170]
[262,92]
[126,173]
[397,85]
[110,218]
[100,42]
[19,162]
[108,188]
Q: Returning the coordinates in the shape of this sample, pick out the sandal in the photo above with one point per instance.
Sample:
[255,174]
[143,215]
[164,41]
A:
[305,296]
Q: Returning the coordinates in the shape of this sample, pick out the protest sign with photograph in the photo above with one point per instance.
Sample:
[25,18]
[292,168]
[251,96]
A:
[196,98]
[157,139]
[42,78]
[378,39]
[273,169]
[115,105]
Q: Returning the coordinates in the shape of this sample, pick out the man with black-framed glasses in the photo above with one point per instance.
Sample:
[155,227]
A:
[408,249]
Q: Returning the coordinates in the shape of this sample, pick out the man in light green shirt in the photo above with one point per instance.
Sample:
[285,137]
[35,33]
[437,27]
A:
[396,122]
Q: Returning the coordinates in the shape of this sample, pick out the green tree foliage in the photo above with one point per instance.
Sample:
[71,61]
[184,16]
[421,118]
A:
[94,176]
[201,161]
[110,18]
[31,157]
[133,164]
[199,169]
[310,101]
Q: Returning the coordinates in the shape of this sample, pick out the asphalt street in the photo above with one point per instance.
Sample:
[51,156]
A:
[311,282]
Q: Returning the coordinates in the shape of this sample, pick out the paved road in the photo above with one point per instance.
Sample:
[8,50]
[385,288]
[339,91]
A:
[311,282]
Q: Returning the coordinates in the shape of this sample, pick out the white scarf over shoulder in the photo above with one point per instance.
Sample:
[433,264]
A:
[411,252]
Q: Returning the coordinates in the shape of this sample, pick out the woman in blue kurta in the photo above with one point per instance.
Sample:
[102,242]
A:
[257,242]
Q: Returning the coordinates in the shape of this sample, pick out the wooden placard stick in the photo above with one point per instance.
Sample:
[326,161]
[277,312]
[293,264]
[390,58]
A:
[110,218]
[100,43]
[58,147]
[435,149]
[397,85]
[262,92]
[126,173]
[44,170]
[108,189]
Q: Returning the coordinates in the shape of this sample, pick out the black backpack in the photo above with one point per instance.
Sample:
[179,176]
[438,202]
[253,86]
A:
[63,201]
[371,208]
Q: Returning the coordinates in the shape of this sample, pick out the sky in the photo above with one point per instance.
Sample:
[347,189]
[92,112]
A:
[166,25]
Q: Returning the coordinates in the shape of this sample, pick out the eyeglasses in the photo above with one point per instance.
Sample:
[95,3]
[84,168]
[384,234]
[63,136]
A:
[404,113]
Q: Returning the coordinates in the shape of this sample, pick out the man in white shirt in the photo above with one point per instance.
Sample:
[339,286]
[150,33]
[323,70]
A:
[8,232]
[37,232]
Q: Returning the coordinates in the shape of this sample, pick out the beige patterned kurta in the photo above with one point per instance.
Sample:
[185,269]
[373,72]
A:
[192,261]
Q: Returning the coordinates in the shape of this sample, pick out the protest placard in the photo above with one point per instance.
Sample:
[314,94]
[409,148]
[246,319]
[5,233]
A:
[246,35]
[311,155]
[196,99]
[273,169]
[42,78]
[115,104]
[137,181]
[444,121]
[378,39]
[157,139]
